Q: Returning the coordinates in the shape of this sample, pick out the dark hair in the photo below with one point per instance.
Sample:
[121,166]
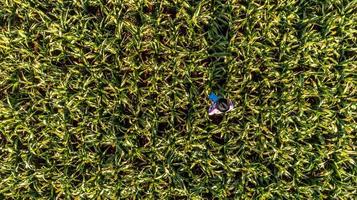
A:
[223,105]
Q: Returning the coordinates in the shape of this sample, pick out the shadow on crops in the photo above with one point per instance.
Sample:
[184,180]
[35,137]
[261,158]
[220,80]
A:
[217,36]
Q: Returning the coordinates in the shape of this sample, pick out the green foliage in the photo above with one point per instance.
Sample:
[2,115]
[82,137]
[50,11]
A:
[108,99]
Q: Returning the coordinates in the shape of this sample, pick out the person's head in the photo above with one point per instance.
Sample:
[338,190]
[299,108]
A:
[222,105]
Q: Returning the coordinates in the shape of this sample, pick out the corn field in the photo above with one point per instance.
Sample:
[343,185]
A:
[107,99]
